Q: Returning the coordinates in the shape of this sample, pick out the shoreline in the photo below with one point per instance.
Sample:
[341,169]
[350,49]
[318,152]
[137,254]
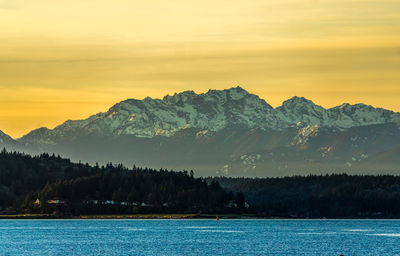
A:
[129,216]
[167,217]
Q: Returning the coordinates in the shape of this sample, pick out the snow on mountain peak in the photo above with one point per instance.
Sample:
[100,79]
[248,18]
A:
[212,111]
[237,93]
[301,110]
[297,100]
[343,106]
[180,97]
[41,135]
[346,115]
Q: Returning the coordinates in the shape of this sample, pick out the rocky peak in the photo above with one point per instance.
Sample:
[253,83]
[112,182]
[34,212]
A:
[300,109]
[298,103]
[180,98]
[42,135]
[237,93]
[211,111]
[347,115]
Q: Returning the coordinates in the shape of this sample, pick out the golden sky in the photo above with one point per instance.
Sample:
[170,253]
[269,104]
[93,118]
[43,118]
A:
[68,59]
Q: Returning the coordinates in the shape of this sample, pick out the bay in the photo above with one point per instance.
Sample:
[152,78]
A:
[200,237]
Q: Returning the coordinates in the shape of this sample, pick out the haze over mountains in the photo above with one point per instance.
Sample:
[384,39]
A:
[228,132]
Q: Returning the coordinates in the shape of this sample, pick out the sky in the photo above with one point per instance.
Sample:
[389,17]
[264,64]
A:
[69,59]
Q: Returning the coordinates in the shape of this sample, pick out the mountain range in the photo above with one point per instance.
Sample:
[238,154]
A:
[228,132]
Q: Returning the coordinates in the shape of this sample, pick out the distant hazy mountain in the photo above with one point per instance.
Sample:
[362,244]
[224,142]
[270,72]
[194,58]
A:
[230,132]
[6,140]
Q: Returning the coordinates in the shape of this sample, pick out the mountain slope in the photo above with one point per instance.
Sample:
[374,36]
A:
[230,132]
[5,140]
[211,111]
[147,118]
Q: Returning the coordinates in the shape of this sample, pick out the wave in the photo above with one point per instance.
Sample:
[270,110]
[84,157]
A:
[199,227]
[358,230]
[387,234]
[317,233]
[220,231]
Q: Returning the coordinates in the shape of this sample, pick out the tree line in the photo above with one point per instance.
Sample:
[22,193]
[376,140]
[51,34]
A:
[318,196]
[49,183]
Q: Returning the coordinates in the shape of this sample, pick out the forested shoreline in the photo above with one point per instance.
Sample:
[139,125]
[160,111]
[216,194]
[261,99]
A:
[49,184]
[320,196]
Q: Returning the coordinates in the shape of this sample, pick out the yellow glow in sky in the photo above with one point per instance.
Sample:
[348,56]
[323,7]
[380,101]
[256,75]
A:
[64,59]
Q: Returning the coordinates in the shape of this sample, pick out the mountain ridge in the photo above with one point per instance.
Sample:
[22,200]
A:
[212,111]
[5,138]
[229,132]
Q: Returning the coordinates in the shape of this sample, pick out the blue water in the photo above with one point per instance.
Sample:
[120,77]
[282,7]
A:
[199,237]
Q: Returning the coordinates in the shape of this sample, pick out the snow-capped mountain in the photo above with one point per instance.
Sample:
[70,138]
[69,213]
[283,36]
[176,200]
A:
[344,116]
[347,116]
[147,118]
[229,132]
[211,112]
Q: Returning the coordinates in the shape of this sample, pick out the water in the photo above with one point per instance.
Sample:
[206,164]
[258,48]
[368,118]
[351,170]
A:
[199,237]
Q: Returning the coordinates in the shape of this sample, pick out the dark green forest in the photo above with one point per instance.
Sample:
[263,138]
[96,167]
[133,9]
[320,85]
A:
[51,184]
[319,196]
